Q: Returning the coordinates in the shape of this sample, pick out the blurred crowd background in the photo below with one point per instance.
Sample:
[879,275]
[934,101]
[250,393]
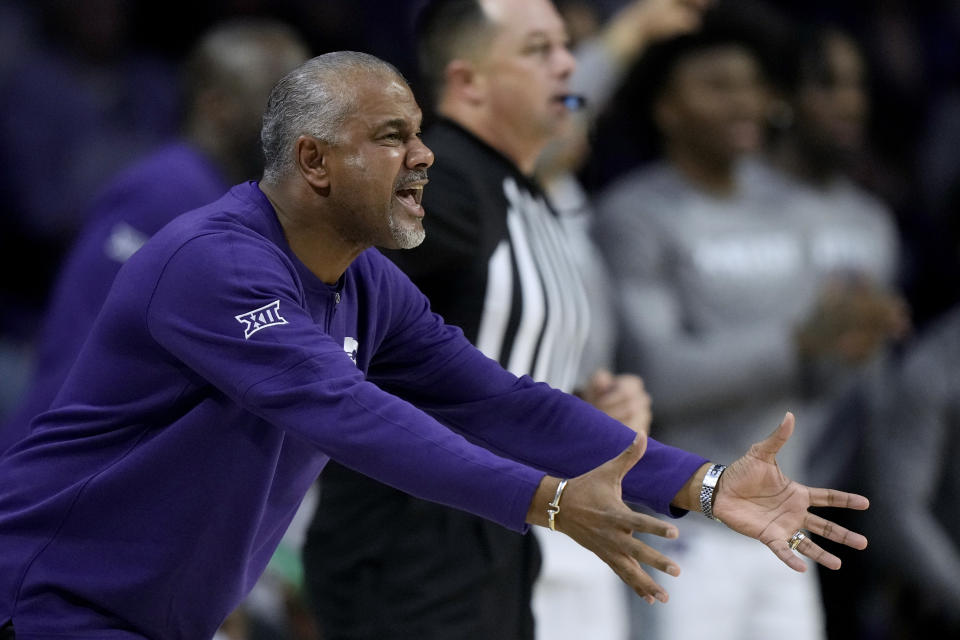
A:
[88,87]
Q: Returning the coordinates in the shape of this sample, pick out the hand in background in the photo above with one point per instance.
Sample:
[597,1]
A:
[622,397]
[754,498]
[643,22]
[852,321]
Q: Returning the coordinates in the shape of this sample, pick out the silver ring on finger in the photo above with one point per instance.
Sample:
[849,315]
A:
[796,539]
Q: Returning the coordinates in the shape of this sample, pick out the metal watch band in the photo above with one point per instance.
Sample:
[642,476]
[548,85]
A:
[707,490]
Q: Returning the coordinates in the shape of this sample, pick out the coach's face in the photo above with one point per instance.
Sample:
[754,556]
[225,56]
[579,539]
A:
[378,168]
[527,67]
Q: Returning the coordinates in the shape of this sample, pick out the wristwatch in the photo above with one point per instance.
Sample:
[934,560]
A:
[707,490]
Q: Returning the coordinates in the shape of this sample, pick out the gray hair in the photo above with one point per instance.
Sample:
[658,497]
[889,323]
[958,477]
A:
[314,99]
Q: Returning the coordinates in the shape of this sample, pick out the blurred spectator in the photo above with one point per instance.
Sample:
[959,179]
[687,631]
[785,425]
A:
[78,106]
[226,83]
[913,51]
[77,102]
[820,120]
[715,286]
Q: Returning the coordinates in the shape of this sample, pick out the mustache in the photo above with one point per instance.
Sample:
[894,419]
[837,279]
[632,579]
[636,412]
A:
[417,175]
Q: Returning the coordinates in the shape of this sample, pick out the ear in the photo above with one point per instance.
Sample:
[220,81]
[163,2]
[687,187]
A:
[311,158]
[465,82]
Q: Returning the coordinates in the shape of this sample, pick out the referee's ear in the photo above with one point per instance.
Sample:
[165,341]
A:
[464,83]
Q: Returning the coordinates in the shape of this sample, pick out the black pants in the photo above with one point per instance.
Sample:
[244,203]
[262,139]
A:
[382,565]
[6,632]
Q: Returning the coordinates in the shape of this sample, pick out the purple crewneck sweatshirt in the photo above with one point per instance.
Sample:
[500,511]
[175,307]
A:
[219,378]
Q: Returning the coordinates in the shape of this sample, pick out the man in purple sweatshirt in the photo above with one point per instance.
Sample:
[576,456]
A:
[255,338]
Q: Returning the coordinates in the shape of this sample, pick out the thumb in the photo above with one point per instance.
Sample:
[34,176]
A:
[629,456]
[769,448]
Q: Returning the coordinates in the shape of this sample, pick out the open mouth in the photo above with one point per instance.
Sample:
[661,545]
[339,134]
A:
[411,196]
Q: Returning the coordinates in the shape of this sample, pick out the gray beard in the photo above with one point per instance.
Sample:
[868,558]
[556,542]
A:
[404,237]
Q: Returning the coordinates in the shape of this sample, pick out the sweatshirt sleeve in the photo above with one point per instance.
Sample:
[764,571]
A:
[297,378]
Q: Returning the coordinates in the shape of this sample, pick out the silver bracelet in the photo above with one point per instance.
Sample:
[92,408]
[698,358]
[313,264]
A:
[554,507]
[707,493]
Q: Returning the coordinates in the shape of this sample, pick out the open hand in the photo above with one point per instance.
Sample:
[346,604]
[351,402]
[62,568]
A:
[592,512]
[754,498]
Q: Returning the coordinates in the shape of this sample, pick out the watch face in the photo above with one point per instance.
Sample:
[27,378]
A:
[714,472]
[707,490]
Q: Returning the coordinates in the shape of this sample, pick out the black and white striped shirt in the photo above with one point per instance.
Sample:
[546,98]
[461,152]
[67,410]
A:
[498,262]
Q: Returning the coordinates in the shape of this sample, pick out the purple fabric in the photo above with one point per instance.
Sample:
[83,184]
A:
[135,205]
[215,384]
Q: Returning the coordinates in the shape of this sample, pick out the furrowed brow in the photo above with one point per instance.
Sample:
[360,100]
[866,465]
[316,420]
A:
[394,123]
